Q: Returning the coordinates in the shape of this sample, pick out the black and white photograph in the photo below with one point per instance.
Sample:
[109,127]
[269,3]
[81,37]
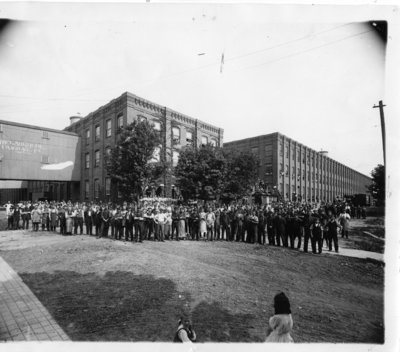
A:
[196,174]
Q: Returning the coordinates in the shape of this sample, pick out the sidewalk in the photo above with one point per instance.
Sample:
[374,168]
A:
[22,316]
[357,253]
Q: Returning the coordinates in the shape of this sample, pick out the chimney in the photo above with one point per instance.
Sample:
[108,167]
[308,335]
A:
[75,118]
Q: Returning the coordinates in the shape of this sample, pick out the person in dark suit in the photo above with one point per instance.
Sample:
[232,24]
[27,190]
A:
[270,228]
[307,222]
[296,231]
[129,219]
[62,219]
[78,220]
[16,217]
[224,217]
[87,213]
[316,236]
[25,216]
[97,219]
[139,223]
[105,221]
[332,226]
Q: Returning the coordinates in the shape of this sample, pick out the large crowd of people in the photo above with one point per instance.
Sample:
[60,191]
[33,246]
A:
[287,224]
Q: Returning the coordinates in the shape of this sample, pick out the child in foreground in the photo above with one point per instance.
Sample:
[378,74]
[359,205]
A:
[281,323]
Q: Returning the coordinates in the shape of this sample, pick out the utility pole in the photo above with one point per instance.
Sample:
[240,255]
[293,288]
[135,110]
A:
[380,106]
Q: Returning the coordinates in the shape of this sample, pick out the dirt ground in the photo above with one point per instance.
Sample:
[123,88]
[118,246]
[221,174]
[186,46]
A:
[358,239]
[106,290]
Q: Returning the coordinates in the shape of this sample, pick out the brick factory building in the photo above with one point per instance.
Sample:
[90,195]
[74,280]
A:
[299,172]
[37,162]
[100,129]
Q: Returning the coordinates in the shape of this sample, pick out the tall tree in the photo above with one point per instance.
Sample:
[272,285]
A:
[242,175]
[200,173]
[377,187]
[133,163]
[211,173]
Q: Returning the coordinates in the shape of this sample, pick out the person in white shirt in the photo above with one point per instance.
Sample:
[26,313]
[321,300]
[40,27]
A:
[168,225]
[9,214]
[210,221]
[159,220]
[344,220]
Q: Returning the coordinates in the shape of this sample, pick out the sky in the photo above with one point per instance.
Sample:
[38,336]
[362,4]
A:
[314,81]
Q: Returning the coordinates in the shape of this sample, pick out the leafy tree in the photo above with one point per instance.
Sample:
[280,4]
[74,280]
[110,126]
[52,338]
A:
[201,173]
[210,173]
[130,163]
[377,187]
[241,176]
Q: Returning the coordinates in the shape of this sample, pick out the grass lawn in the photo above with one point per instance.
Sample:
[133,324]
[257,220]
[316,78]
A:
[105,290]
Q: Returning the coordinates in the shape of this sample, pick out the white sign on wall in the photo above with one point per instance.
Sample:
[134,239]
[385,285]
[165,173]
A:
[20,147]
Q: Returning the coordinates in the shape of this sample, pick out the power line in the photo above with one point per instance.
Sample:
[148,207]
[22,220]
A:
[305,51]
[217,63]
[286,43]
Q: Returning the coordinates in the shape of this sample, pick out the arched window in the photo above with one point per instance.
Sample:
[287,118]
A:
[87,189]
[108,155]
[176,135]
[204,140]
[97,133]
[97,158]
[141,118]
[108,186]
[213,142]
[189,137]
[157,125]
[175,158]
[120,121]
[87,160]
[96,188]
[108,128]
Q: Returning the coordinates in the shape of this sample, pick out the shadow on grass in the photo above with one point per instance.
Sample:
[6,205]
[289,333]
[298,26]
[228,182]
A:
[118,306]
[122,306]
[214,323]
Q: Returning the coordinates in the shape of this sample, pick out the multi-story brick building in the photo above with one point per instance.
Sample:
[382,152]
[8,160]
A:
[299,172]
[99,132]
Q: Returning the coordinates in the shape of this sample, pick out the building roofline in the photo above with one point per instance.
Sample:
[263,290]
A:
[17,124]
[253,138]
[134,96]
[282,135]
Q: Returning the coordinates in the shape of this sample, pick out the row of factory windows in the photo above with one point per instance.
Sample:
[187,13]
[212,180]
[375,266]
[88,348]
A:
[313,194]
[176,131]
[318,162]
[156,157]
[98,189]
[312,175]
